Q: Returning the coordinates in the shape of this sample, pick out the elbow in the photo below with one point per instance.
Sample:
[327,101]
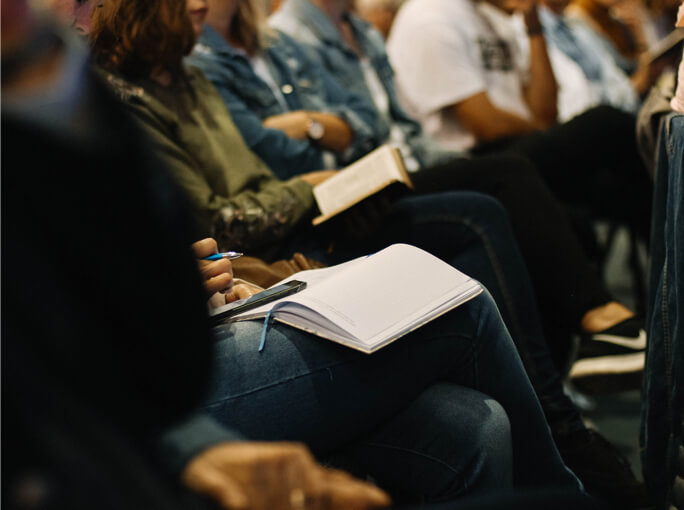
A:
[487,136]
[546,113]
[485,133]
[341,141]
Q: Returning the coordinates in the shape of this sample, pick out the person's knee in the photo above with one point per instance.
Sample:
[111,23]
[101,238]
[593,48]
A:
[485,311]
[484,212]
[605,121]
[495,438]
[479,431]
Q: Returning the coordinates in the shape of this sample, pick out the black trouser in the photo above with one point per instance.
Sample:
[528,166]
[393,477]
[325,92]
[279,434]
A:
[565,282]
[591,160]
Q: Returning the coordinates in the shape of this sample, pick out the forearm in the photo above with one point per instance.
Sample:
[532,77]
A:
[337,135]
[541,91]
[487,122]
[507,125]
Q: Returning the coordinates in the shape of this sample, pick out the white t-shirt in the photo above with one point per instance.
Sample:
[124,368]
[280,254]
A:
[445,51]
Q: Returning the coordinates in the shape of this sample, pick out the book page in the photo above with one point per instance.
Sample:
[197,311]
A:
[370,301]
[386,290]
[312,277]
[355,182]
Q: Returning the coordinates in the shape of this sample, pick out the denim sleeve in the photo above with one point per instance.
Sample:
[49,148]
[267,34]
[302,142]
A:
[180,443]
[356,111]
[285,156]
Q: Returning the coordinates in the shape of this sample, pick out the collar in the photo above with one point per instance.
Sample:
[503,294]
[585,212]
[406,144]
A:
[550,20]
[316,20]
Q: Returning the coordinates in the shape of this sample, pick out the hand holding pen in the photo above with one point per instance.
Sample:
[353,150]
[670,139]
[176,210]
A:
[216,268]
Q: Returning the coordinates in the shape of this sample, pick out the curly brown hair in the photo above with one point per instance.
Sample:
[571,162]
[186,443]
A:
[133,38]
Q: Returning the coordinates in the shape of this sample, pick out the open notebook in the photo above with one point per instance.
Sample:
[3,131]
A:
[371,301]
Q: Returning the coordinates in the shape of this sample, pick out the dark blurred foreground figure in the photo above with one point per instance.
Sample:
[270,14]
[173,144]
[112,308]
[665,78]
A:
[662,427]
[105,351]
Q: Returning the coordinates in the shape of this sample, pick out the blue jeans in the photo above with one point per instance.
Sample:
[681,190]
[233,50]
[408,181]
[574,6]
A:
[419,416]
[471,232]
[663,390]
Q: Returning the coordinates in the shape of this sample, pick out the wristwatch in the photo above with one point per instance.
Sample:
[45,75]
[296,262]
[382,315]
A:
[315,130]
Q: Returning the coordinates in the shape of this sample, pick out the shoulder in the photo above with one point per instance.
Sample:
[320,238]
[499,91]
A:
[368,31]
[434,18]
[200,84]
[126,91]
[293,26]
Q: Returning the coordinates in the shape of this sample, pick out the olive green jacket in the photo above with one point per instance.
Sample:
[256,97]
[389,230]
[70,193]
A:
[234,196]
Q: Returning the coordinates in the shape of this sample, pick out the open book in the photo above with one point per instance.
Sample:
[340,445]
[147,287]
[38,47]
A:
[360,180]
[371,301]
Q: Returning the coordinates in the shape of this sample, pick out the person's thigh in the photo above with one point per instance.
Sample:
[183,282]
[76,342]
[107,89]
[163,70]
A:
[592,160]
[305,388]
[552,252]
[449,442]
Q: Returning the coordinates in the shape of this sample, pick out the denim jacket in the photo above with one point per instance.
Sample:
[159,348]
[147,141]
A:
[304,85]
[308,24]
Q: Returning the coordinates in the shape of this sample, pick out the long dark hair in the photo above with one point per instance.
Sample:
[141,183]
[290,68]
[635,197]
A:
[134,37]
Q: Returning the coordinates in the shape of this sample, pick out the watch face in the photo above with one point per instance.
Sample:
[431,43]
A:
[315,130]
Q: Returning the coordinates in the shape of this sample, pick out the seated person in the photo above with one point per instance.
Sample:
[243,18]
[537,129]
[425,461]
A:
[135,357]
[311,122]
[585,71]
[318,382]
[481,96]
[226,181]
[234,40]
[593,54]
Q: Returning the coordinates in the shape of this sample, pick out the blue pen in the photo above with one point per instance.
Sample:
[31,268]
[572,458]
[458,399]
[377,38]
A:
[231,255]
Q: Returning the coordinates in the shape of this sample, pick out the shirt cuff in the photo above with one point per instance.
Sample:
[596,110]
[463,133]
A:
[303,190]
[182,442]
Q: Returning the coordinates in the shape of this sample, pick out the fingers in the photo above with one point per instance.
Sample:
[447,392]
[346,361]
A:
[217,275]
[208,479]
[221,283]
[315,178]
[314,487]
[204,248]
[276,476]
[240,291]
[344,491]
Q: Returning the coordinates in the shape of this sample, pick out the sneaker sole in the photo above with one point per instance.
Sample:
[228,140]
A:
[608,365]
[608,374]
